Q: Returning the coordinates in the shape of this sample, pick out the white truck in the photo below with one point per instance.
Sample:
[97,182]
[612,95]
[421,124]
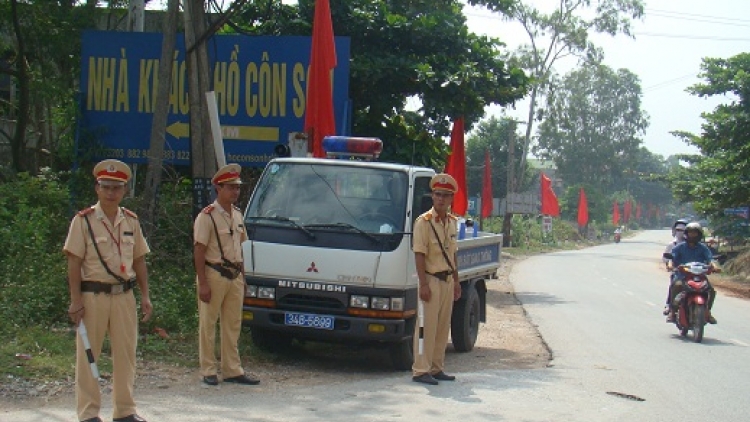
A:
[328,255]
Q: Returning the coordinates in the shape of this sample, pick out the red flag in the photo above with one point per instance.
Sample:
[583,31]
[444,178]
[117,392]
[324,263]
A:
[487,187]
[615,214]
[638,212]
[627,208]
[456,167]
[583,209]
[319,118]
[549,199]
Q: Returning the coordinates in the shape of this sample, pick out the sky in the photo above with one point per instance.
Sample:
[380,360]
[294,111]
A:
[670,42]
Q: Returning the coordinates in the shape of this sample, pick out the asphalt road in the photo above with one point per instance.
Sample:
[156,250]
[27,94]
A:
[615,359]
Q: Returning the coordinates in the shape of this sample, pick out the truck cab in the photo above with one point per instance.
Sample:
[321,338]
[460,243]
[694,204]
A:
[328,255]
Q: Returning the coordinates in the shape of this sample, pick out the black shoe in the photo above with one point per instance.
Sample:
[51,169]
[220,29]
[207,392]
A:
[96,419]
[211,380]
[425,379]
[129,418]
[710,319]
[242,379]
[442,376]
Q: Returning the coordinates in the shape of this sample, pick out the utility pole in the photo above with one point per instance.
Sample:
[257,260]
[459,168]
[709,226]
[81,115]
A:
[508,216]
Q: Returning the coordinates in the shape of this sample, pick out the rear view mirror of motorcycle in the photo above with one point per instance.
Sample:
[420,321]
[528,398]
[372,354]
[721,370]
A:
[667,255]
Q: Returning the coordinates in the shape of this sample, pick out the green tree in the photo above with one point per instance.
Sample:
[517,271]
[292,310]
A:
[491,136]
[592,126]
[402,50]
[718,177]
[563,32]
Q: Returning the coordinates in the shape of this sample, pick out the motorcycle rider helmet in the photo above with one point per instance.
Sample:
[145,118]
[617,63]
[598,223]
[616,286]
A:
[693,227]
[679,225]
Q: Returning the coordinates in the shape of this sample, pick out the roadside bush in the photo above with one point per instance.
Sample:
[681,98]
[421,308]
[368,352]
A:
[33,223]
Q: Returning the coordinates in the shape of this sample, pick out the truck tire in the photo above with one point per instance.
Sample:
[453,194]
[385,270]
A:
[465,320]
[270,341]
[402,355]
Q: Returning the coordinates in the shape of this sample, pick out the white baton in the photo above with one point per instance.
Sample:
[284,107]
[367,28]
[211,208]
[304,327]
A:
[89,354]
[420,322]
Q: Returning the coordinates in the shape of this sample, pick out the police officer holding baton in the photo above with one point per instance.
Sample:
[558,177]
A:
[106,254]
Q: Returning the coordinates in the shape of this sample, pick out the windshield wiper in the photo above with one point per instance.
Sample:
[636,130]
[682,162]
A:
[291,222]
[344,226]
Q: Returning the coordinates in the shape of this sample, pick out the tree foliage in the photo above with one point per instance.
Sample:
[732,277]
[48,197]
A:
[593,124]
[492,136]
[718,177]
[560,33]
[404,50]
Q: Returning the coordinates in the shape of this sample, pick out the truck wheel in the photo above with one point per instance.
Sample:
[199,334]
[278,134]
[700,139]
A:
[465,321]
[402,355]
[271,341]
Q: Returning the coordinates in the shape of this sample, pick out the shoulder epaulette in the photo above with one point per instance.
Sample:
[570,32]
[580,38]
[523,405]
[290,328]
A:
[129,213]
[427,216]
[86,211]
[208,210]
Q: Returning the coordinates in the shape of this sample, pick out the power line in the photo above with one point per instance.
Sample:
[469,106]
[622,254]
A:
[698,16]
[704,20]
[689,37]
[668,82]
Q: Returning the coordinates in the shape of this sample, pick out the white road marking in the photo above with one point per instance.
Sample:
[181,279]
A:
[739,343]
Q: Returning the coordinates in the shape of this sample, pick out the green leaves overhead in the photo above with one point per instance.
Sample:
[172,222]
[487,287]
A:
[406,53]
[718,178]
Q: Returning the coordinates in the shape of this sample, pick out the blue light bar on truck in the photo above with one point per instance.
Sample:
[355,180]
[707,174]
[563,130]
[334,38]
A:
[347,146]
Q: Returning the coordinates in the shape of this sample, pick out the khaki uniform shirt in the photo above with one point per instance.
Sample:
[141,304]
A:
[119,244]
[425,241]
[231,233]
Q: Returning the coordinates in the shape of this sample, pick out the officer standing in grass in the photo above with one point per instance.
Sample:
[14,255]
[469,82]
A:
[218,234]
[106,254]
[435,246]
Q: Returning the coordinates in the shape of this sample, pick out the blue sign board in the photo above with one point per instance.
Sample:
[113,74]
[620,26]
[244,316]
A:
[475,257]
[472,210]
[259,82]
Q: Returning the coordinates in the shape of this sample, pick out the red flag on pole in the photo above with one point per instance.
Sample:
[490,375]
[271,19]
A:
[615,214]
[487,187]
[319,118]
[456,167]
[549,199]
[583,209]
[627,208]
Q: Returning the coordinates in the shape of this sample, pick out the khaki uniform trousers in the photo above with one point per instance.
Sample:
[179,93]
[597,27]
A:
[437,321]
[116,315]
[226,307]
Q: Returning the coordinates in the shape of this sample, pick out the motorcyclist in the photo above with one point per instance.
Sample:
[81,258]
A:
[678,235]
[691,250]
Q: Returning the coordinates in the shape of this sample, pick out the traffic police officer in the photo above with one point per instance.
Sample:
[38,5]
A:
[218,234]
[106,254]
[435,249]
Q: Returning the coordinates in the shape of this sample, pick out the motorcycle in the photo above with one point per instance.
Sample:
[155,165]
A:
[617,237]
[691,304]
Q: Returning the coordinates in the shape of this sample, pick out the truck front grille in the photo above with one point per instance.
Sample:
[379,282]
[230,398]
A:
[308,303]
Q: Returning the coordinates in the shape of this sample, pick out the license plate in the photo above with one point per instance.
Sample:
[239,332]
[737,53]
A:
[322,322]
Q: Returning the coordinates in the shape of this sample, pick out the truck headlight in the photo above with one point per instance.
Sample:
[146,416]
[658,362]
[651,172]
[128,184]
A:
[358,301]
[266,293]
[397,303]
[381,303]
[252,291]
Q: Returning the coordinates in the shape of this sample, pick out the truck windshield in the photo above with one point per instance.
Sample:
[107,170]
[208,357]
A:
[325,196]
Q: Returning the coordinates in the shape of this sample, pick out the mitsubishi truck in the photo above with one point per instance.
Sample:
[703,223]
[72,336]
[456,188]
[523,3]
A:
[328,255]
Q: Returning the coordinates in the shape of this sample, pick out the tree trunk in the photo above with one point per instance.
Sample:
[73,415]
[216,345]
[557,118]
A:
[18,143]
[159,124]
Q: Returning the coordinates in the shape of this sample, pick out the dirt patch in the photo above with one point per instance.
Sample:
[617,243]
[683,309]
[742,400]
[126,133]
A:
[507,341]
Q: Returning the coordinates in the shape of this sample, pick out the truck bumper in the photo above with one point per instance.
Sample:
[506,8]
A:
[346,328]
